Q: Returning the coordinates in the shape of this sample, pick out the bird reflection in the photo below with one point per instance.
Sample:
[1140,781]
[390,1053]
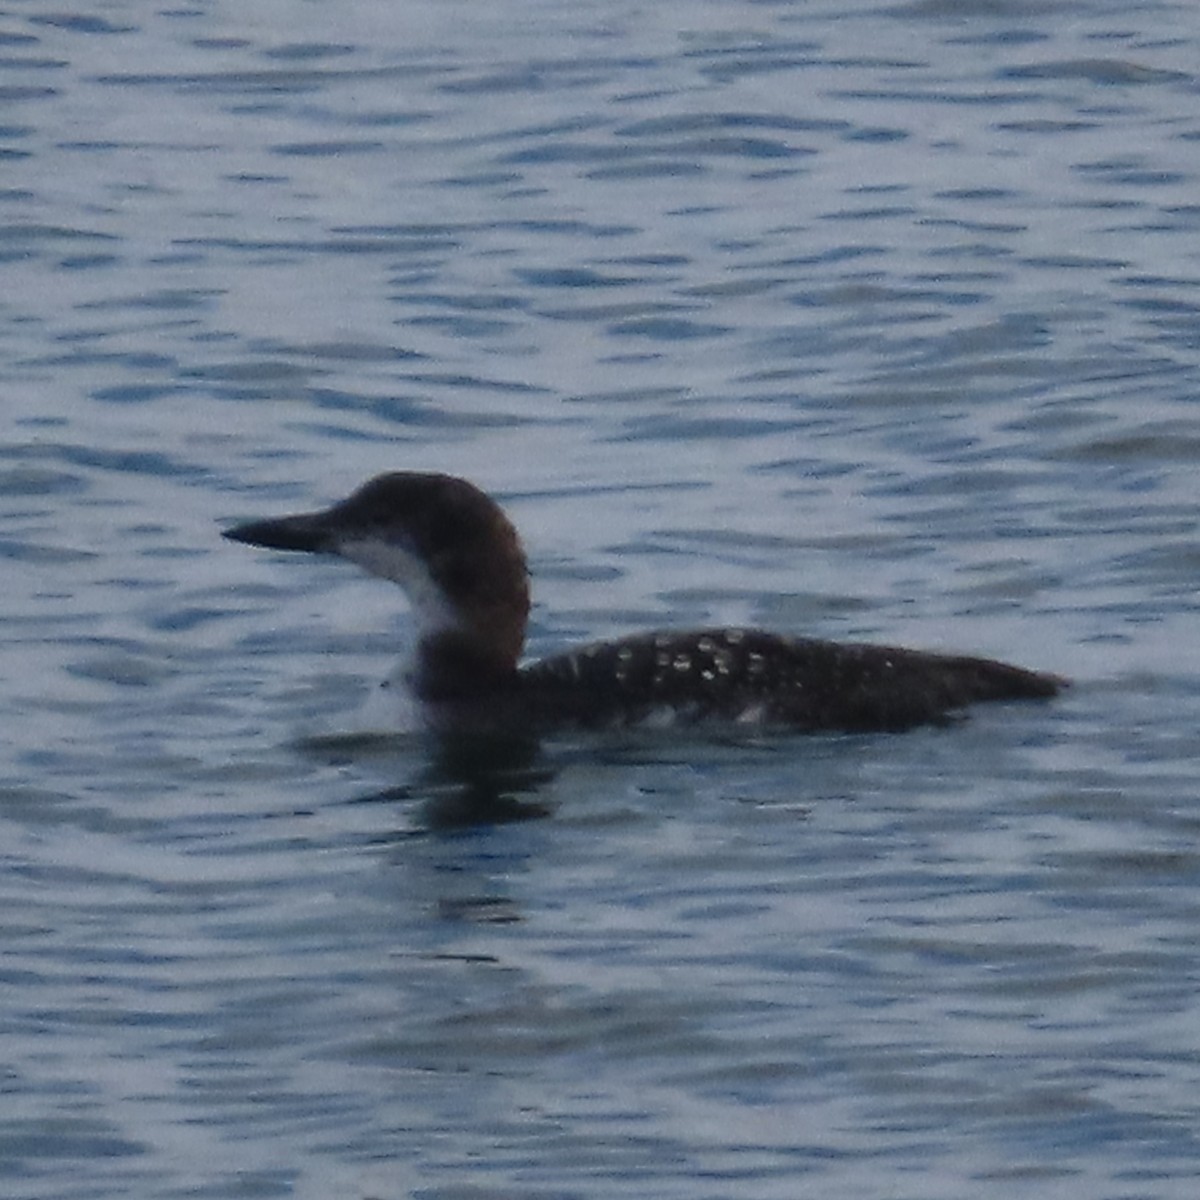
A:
[482,780]
[467,780]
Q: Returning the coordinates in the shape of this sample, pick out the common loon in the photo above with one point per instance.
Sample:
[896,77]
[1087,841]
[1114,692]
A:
[460,561]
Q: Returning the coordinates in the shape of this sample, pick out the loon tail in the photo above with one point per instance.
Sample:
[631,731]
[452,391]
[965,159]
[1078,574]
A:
[969,680]
[935,688]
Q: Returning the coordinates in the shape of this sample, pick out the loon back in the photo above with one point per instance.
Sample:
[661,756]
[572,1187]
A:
[746,676]
[460,561]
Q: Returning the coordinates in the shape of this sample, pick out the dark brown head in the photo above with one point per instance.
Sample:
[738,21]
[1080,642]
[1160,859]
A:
[446,543]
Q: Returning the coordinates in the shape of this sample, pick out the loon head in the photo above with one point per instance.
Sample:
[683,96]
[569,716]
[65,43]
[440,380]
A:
[452,550]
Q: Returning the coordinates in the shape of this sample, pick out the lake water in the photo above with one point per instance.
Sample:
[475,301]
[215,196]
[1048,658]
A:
[863,320]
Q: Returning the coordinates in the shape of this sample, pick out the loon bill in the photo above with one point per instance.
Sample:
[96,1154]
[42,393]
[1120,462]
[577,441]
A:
[460,561]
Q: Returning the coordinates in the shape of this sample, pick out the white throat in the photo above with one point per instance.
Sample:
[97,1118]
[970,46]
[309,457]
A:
[394,704]
[433,613]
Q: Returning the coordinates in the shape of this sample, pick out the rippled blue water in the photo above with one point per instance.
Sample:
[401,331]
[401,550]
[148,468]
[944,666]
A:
[863,320]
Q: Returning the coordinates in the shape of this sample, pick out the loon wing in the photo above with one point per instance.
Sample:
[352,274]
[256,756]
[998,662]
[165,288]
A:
[762,678]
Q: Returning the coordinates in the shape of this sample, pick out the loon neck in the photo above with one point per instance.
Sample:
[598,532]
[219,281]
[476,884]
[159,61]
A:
[453,665]
[460,562]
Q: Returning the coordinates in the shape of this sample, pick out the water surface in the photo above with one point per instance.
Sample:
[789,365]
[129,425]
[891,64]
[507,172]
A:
[859,320]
